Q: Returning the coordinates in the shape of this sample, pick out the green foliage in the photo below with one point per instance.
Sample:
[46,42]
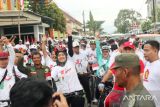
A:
[26,4]
[94,25]
[50,10]
[146,25]
[158,14]
[125,19]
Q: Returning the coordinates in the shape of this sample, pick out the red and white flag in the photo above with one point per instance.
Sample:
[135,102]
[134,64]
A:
[95,66]
[22,4]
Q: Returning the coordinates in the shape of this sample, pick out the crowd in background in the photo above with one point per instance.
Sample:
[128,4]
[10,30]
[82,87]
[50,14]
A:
[62,73]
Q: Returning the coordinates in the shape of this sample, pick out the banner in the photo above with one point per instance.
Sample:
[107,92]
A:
[18,4]
[9,7]
[1,5]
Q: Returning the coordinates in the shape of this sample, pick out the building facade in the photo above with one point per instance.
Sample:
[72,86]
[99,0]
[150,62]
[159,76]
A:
[73,23]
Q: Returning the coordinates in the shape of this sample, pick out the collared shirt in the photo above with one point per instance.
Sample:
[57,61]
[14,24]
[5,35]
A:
[39,73]
[138,97]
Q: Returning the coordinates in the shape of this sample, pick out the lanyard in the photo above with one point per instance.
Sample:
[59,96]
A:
[4,77]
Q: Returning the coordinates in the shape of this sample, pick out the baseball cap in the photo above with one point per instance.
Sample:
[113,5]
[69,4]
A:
[4,55]
[27,43]
[92,42]
[82,43]
[75,43]
[33,47]
[126,60]
[105,48]
[129,44]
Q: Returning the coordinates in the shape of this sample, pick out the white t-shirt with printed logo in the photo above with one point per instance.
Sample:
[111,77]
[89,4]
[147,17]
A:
[66,78]
[91,55]
[151,80]
[81,62]
[83,51]
[9,81]
[49,62]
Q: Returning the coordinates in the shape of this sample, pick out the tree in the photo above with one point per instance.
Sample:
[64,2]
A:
[146,25]
[94,25]
[125,20]
[50,10]
[158,14]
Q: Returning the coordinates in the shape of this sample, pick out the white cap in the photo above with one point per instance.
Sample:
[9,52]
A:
[75,43]
[27,43]
[33,47]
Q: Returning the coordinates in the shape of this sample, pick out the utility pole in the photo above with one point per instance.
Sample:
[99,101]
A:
[154,15]
[84,26]
[19,13]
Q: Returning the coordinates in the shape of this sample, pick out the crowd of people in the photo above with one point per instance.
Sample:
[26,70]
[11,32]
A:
[106,72]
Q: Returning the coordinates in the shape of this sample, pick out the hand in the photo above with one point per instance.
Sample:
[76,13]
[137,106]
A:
[69,31]
[5,40]
[1,42]
[101,87]
[97,35]
[44,38]
[60,103]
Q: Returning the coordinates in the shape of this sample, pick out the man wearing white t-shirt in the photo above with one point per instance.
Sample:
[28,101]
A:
[20,46]
[151,78]
[81,63]
[83,48]
[7,78]
[91,53]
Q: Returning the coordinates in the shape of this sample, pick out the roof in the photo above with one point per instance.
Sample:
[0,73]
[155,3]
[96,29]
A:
[73,19]
[26,17]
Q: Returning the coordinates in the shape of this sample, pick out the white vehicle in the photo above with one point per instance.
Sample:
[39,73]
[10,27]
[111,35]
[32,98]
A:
[145,37]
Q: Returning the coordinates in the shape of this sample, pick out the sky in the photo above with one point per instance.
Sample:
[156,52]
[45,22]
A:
[106,10]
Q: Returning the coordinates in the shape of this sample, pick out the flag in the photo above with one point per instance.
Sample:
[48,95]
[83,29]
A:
[4,4]
[51,32]
[18,4]
[47,35]
[32,40]
[1,5]
[58,35]
[9,5]
[22,4]
[95,67]
[25,39]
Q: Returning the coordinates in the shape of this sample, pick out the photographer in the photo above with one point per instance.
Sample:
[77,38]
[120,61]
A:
[37,94]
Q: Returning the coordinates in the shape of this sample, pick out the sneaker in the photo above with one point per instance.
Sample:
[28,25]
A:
[95,101]
[89,105]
